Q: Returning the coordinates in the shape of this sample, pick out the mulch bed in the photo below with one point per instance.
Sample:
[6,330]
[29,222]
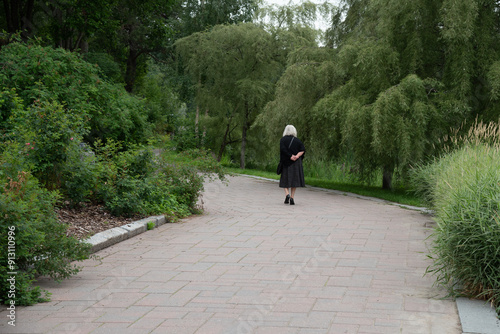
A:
[89,219]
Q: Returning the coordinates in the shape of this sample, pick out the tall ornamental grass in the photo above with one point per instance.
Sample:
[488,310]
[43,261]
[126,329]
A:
[463,186]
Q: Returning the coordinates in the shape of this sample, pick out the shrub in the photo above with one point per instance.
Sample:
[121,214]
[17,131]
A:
[161,198]
[10,103]
[45,131]
[464,189]
[47,140]
[121,177]
[187,171]
[44,73]
[108,67]
[186,184]
[47,75]
[41,244]
[79,174]
[137,182]
[123,196]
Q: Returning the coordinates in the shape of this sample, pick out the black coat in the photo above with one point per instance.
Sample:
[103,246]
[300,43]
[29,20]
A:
[287,150]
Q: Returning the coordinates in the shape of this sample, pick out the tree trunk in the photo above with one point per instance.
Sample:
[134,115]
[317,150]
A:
[14,15]
[224,142]
[197,116]
[131,71]
[387,177]
[243,145]
[196,122]
[244,137]
[204,129]
[84,46]
[19,17]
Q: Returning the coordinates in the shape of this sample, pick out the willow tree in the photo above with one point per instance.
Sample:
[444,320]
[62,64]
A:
[307,78]
[198,15]
[364,69]
[234,68]
[452,45]
[402,125]
[308,75]
[400,75]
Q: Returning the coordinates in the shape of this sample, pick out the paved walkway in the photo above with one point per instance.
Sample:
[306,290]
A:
[251,264]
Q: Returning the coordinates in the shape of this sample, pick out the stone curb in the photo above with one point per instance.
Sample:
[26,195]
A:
[476,316]
[115,235]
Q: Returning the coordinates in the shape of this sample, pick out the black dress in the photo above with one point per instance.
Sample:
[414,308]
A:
[293,172]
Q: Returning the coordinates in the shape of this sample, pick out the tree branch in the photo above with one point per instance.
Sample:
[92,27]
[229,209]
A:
[157,59]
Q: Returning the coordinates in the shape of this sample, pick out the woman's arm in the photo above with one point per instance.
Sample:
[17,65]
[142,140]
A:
[297,156]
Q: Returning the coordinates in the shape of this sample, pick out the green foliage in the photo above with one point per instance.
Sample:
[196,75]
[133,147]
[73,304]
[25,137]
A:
[399,75]
[233,68]
[407,26]
[82,137]
[79,174]
[402,120]
[121,177]
[45,73]
[463,186]
[307,78]
[123,118]
[9,103]
[160,100]
[45,131]
[41,244]
[294,24]
[137,182]
[186,173]
[108,67]
[70,23]
[185,136]
[197,16]
[142,27]
[163,198]
[45,76]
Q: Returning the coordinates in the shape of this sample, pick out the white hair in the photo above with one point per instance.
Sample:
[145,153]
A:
[290,131]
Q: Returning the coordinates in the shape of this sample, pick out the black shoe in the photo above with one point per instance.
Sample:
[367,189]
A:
[287,199]
[292,201]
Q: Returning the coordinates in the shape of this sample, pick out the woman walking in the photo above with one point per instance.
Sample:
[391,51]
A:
[291,154]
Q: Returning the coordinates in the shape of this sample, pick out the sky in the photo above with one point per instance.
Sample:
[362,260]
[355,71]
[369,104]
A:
[285,2]
[319,24]
[295,2]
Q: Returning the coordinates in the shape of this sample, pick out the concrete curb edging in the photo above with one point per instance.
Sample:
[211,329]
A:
[112,236]
[477,317]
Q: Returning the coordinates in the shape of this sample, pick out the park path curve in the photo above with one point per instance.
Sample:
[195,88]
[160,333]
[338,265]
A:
[251,264]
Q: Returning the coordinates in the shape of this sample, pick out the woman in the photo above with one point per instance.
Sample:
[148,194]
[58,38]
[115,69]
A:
[291,154]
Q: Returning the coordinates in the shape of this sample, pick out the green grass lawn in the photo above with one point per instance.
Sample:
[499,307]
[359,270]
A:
[401,196]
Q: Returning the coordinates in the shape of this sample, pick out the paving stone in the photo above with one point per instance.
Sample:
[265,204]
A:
[250,264]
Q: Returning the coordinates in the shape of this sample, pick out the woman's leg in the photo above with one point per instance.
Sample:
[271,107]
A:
[287,194]
[292,201]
